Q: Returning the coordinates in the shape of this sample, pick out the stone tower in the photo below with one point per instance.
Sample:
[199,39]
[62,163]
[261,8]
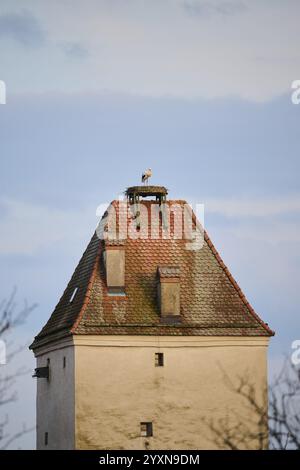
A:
[148,333]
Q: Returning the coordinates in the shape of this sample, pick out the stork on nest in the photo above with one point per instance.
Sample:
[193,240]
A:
[146,175]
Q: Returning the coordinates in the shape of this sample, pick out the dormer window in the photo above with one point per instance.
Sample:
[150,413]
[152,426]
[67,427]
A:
[169,291]
[114,259]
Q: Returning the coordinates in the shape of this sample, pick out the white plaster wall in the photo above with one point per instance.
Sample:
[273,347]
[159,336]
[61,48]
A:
[56,399]
[118,386]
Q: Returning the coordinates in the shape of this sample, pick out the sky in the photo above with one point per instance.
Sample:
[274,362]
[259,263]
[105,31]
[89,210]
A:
[97,91]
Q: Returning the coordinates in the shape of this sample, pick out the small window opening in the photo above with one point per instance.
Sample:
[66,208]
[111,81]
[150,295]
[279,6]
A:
[46,438]
[159,359]
[48,362]
[146,429]
[118,291]
[73,294]
[64,362]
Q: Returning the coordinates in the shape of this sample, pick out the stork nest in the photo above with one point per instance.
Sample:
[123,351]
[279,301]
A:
[146,191]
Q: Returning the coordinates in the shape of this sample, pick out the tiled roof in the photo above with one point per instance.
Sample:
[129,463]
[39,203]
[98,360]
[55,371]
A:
[211,302]
[169,271]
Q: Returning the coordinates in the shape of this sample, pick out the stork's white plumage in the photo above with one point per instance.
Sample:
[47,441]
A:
[146,175]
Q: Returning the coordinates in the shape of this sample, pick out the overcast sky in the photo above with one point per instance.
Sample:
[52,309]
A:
[200,91]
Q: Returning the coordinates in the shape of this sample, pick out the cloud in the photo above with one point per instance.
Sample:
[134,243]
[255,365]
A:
[28,228]
[23,28]
[156,48]
[211,8]
[254,207]
[74,50]
[272,232]
[272,222]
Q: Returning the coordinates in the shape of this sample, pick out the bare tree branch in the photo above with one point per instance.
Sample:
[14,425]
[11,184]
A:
[256,422]
[11,318]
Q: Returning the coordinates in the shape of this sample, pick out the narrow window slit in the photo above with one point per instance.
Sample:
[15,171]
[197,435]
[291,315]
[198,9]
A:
[159,359]
[146,429]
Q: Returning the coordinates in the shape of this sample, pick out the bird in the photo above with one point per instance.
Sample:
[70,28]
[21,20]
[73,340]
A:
[146,175]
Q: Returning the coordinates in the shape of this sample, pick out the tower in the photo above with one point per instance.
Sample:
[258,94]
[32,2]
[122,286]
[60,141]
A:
[139,349]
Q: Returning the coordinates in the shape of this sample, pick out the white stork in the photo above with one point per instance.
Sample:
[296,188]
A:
[146,175]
